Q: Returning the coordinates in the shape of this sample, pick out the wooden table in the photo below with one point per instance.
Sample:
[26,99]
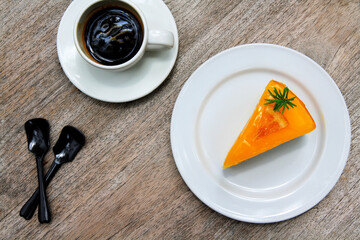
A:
[124,183]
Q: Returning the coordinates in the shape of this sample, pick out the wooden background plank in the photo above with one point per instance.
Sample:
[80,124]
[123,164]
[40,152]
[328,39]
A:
[125,184]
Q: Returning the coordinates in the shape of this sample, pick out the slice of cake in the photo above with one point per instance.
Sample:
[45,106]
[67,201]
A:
[279,117]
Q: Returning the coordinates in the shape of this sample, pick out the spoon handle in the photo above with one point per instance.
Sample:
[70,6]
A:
[43,211]
[28,210]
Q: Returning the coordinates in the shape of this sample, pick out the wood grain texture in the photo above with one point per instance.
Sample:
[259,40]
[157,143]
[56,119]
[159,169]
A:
[124,184]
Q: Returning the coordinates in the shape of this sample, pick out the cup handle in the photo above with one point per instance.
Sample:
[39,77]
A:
[160,39]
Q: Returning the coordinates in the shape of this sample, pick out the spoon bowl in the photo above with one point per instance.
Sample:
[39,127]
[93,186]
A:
[70,141]
[37,133]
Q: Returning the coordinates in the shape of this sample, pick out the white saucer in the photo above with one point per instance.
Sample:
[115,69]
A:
[124,86]
[213,107]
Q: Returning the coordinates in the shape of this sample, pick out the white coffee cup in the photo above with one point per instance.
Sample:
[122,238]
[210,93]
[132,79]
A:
[153,39]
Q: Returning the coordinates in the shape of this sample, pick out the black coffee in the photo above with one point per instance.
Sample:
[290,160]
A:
[113,36]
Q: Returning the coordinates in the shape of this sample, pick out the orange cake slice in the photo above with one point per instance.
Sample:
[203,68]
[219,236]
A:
[269,125]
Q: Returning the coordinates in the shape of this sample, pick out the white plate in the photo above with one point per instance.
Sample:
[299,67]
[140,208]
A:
[124,86]
[214,105]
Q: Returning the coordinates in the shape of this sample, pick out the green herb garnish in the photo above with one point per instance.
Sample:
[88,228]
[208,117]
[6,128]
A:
[281,100]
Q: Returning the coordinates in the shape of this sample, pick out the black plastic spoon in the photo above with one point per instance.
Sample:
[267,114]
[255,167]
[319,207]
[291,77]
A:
[37,132]
[70,142]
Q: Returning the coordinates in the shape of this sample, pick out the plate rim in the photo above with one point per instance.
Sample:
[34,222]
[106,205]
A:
[309,204]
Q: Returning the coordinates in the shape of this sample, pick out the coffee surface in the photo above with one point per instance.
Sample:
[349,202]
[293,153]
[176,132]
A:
[113,36]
